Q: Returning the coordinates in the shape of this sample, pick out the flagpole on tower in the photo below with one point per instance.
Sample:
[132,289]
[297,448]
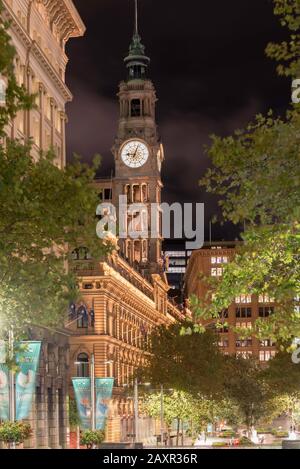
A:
[136,28]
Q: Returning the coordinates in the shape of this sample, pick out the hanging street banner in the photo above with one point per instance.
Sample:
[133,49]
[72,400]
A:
[104,388]
[82,389]
[4,384]
[27,359]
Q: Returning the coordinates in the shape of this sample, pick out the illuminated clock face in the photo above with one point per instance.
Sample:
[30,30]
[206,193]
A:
[135,153]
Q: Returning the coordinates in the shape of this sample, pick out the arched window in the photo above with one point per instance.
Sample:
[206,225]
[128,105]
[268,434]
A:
[81,254]
[135,108]
[145,251]
[82,317]
[82,363]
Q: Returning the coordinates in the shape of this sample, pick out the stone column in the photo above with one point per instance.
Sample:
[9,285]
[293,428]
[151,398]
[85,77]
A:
[63,120]
[32,442]
[53,423]
[42,418]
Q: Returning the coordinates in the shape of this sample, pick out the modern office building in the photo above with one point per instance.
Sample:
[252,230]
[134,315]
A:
[210,261]
[176,258]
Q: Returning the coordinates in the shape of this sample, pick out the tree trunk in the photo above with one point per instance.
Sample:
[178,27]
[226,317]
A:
[178,430]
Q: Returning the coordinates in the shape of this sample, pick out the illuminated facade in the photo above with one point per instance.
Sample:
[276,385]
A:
[40,30]
[210,261]
[123,308]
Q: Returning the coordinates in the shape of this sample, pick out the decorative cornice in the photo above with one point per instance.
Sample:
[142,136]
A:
[65,16]
[37,52]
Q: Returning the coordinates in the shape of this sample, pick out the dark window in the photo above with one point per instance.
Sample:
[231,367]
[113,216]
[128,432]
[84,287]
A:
[223,343]
[267,343]
[82,254]
[224,314]
[223,329]
[265,311]
[107,194]
[244,343]
[135,108]
[82,365]
[243,312]
[82,317]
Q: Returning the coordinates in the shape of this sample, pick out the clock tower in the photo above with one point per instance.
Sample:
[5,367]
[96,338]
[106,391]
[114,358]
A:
[138,155]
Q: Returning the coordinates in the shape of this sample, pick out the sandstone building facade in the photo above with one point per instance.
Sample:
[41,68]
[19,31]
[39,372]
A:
[126,294]
[40,30]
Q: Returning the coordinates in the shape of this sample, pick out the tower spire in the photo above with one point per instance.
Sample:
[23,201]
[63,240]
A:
[136,61]
[136,25]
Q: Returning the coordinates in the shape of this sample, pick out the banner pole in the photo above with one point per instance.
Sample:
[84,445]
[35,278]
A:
[93,403]
[162,415]
[12,412]
[136,410]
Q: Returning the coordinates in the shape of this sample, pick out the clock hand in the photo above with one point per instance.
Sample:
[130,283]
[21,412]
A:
[136,151]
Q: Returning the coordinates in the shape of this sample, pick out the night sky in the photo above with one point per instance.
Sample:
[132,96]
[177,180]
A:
[208,66]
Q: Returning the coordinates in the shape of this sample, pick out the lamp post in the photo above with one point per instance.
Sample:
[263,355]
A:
[136,407]
[93,392]
[12,401]
[162,414]
[12,413]
[136,411]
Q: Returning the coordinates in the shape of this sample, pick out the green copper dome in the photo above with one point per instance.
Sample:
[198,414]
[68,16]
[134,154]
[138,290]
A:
[136,61]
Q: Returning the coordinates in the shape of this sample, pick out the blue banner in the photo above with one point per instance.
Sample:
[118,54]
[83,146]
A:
[27,359]
[4,384]
[82,389]
[104,388]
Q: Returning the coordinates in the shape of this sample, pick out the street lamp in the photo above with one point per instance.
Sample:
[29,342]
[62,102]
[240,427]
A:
[136,406]
[93,387]
[162,412]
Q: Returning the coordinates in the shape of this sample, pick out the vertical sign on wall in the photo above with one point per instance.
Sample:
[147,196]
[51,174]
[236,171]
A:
[82,389]
[104,388]
[27,359]
[4,383]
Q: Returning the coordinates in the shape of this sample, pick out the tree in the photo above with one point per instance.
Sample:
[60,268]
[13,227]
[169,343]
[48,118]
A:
[44,212]
[188,361]
[198,411]
[74,418]
[257,172]
[247,389]
[283,378]
[287,52]
[92,439]
[178,406]
[14,432]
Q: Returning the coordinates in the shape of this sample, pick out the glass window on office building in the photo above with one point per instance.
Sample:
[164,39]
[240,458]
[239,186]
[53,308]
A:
[216,272]
[243,325]
[243,299]
[243,312]
[266,355]
[265,311]
[265,298]
[244,354]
